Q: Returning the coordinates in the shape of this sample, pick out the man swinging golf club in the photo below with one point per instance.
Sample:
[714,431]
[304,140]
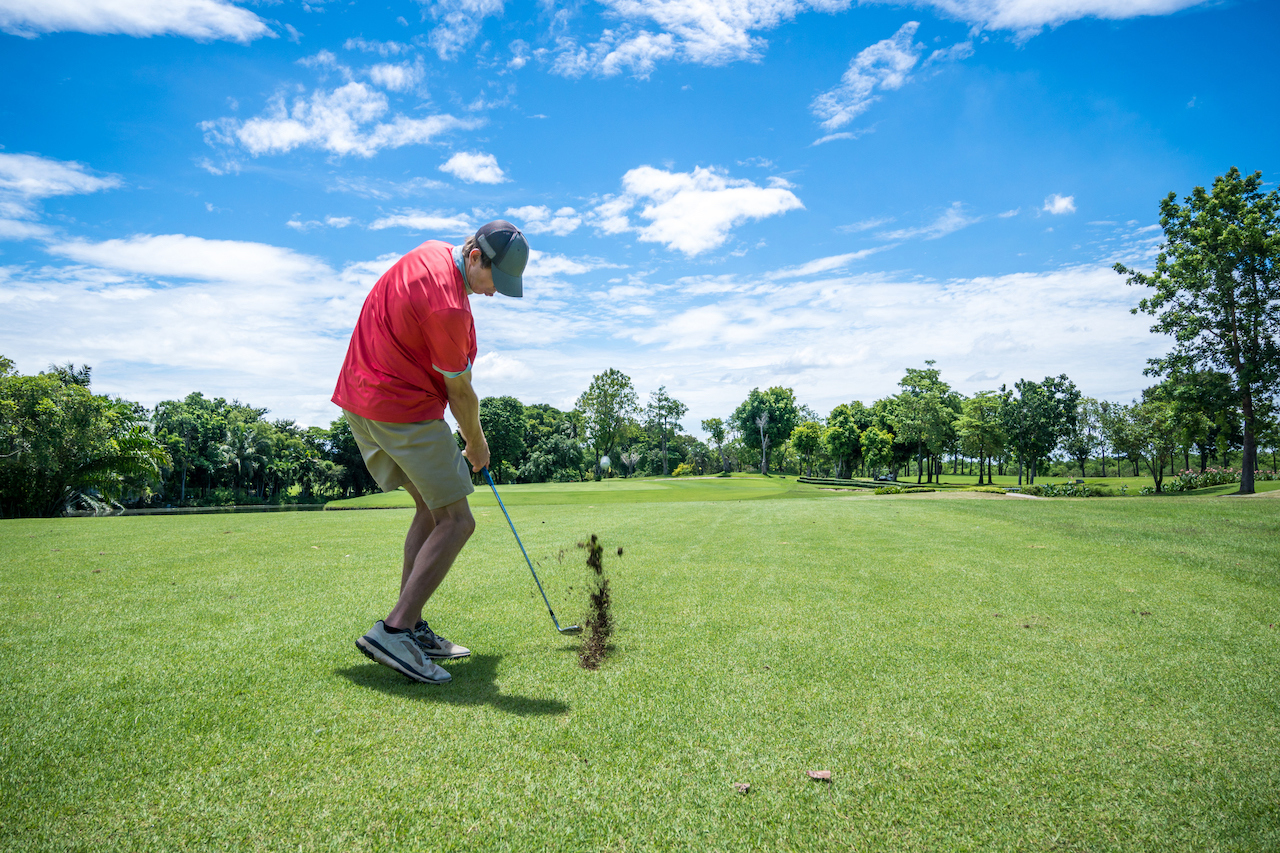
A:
[411,355]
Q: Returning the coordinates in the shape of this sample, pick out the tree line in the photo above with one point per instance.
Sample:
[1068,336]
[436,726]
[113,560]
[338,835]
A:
[1215,291]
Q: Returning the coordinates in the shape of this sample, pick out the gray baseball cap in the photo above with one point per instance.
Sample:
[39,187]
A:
[504,245]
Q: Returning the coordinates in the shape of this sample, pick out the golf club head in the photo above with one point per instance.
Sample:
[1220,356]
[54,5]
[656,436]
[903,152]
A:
[570,629]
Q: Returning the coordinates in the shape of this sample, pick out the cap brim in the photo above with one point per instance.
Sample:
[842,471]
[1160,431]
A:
[507,285]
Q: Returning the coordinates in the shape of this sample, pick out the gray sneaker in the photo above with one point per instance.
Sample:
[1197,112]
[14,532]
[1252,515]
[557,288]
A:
[401,653]
[435,646]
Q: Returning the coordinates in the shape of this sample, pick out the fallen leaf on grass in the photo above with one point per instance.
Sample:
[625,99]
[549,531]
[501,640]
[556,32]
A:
[742,787]
[315,547]
[820,775]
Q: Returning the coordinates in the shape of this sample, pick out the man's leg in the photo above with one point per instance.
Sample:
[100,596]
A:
[452,526]
[419,529]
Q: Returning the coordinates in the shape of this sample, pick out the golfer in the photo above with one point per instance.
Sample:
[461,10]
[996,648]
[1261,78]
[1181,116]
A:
[411,355]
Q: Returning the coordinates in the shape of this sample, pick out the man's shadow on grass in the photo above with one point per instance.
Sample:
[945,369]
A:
[473,684]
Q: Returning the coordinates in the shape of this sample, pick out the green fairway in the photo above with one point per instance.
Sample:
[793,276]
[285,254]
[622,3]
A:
[977,674]
[639,490]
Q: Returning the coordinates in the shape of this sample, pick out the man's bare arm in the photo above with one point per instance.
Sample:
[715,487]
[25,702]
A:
[465,406]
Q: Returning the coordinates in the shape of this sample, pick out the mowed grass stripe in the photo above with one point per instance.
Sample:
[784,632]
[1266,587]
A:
[202,690]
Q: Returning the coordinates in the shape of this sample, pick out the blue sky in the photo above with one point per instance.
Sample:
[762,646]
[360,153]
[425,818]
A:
[196,195]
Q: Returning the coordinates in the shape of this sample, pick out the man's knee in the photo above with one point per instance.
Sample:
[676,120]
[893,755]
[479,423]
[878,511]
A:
[457,516]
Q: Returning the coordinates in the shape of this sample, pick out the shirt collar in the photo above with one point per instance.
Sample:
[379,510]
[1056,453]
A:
[460,262]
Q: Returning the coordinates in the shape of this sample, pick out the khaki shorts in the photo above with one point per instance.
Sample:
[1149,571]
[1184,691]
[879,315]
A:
[422,453]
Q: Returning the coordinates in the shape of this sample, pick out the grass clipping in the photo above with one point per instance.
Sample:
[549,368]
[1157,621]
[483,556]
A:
[598,625]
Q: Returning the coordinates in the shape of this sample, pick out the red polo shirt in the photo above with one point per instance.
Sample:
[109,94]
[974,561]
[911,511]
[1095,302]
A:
[415,326]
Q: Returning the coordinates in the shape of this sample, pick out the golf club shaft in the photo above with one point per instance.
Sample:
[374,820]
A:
[489,477]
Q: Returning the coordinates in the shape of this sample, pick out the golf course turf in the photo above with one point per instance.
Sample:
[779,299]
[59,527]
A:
[993,674]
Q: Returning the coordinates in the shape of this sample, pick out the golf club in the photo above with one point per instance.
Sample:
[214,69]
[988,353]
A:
[568,629]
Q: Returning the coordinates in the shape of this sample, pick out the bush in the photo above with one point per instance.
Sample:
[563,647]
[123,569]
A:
[889,490]
[1068,490]
[684,469]
[990,490]
[1190,480]
[914,489]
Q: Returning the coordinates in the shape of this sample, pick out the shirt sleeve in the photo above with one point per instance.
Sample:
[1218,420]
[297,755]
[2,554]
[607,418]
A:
[448,335]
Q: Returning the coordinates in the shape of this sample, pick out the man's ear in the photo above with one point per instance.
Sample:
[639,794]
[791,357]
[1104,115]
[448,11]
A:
[474,257]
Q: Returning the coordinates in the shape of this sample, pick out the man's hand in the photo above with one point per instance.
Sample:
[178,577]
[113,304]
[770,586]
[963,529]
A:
[477,455]
[466,409]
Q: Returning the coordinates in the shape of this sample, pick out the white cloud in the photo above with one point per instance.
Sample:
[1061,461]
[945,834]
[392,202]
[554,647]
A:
[26,178]
[824,265]
[343,121]
[400,77]
[955,53]
[32,177]
[417,220]
[1059,204]
[181,256]
[384,189]
[689,211]
[458,24]
[474,168]
[950,221]
[865,225]
[382,48]
[540,219]
[1027,17]
[696,31]
[338,221]
[883,65]
[547,265]
[203,20]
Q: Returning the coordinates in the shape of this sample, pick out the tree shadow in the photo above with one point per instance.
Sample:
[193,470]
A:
[473,684]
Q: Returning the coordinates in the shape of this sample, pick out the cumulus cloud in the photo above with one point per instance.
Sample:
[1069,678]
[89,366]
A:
[883,65]
[181,256]
[692,212]
[951,220]
[203,20]
[685,30]
[416,220]
[1059,204]
[458,23]
[347,120]
[540,219]
[474,168]
[1027,17]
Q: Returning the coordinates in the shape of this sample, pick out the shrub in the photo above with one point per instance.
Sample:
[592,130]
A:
[1034,490]
[889,490]
[684,469]
[1189,480]
[1068,490]
[990,490]
[914,489]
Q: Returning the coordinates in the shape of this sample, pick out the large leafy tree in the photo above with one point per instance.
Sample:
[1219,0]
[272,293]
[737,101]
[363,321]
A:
[926,411]
[806,439]
[1037,417]
[504,425]
[715,428]
[1216,291]
[608,407]
[765,419]
[981,431]
[663,416]
[1083,438]
[843,436]
[62,446]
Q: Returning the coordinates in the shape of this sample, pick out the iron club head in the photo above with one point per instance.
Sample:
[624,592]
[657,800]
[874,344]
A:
[571,629]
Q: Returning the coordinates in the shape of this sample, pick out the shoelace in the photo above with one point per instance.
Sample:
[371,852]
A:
[424,636]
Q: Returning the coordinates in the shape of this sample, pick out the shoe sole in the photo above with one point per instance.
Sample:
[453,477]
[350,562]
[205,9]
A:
[442,656]
[376,653]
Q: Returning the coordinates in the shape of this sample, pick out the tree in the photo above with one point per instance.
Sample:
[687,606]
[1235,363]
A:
[663,415]
[1217,292]
[1083,437]
[1038,418]
[715,428]
[503,422]
[608,406]
[765,419]
[924,413]
[64,446]
[842,438]
[807,440]
[980,429]
[877,448]
[1154,435]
